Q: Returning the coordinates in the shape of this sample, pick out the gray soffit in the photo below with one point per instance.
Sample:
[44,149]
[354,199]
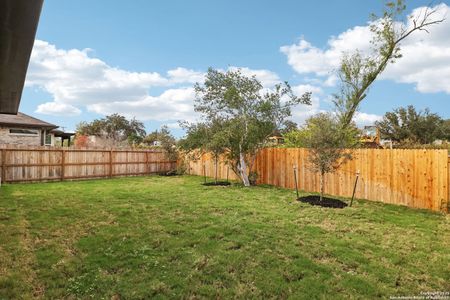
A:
[18,25]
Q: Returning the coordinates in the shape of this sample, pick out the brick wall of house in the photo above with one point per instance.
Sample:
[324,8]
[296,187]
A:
[7,138]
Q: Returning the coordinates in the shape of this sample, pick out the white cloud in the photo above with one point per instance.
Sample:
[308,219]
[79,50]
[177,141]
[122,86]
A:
[73,77]
[425,61]
[77,80]
[59,109]
[266,77]
[174,125]
[183,75]
[305,58]
[363,119]
[172,104]
[302,112]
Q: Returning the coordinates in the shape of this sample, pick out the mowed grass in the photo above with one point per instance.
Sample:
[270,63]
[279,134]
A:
[171,237]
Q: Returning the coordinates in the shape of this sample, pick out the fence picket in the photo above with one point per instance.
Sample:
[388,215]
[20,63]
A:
[21,165]
[415,177]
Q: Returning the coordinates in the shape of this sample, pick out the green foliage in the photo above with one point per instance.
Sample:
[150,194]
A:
[165,140]
[406,125]
[288,126]
[295,138]
[195,138]
[114,127]
[170,237]
[357,72]
[246,113]
[205,137]
[329,143]
[446,129]
[134,139]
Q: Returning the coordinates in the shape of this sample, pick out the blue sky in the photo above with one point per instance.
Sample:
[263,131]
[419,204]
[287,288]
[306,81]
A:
[140,58]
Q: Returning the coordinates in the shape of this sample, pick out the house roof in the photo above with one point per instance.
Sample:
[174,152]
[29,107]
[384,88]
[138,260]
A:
[24,120]
[60,133]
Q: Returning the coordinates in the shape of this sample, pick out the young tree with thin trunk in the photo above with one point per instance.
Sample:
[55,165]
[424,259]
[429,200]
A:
[328,142]
[248,112]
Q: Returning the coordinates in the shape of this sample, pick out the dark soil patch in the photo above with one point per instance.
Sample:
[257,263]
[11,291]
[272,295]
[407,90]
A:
[170,173]
[218,183]
[326,202]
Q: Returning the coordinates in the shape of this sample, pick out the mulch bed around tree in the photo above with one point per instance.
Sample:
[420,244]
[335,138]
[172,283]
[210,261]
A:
[218,183]
[170,173]
[326,202]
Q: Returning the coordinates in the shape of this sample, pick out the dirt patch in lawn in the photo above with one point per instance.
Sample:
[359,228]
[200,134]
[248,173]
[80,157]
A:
[326,202]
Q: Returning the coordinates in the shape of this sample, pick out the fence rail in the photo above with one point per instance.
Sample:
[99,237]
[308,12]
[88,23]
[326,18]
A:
[416,178]
[48,164]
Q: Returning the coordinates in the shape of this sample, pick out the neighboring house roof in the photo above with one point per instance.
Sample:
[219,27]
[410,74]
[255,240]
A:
[24,120]
[60,133]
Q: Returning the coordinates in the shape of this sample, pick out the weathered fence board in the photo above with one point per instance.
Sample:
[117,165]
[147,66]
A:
[416,178]
[46,164]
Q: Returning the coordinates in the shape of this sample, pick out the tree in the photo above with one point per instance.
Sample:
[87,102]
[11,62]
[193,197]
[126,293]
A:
[165,139]
[288,126]
[248,113]
[408,125]
[206,138]
[329,143]
[114,127]
[446,129]
[94,128]
[295,139]
[357,71]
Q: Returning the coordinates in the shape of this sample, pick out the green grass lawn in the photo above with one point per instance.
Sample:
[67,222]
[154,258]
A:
[170,237]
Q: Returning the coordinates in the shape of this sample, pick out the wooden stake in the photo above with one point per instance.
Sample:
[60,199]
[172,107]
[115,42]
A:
[295,178]
[354,188]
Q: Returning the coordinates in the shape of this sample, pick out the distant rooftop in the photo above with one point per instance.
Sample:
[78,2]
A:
[22,119]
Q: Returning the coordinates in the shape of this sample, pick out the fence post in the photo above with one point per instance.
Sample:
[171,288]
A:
[110,163]
[3,179]
[147,171]
[63,163]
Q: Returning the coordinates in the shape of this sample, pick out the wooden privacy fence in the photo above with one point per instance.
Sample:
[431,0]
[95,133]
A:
[48,164]
[415,178]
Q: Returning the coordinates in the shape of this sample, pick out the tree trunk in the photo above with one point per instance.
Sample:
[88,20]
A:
[322,184]
[243,170]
